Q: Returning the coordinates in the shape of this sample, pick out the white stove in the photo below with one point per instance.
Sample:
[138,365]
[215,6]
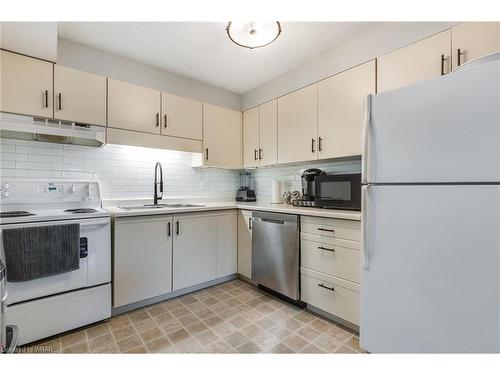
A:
[53,304]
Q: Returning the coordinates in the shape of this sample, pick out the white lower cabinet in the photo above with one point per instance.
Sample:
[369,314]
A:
[227,243]
[331,294]
[195,247]
[245,243]
[142,258]
[330,266]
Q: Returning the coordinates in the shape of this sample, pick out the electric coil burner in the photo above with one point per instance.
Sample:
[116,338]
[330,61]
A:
[81,210]
[15,214]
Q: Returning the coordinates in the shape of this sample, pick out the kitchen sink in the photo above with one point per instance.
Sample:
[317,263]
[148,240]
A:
[160,205]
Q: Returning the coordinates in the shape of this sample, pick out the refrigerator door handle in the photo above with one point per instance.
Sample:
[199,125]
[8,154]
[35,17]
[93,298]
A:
[366,129]
[364,248]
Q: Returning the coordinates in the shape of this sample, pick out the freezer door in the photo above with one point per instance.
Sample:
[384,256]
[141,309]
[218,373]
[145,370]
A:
[431,281]
[443,130]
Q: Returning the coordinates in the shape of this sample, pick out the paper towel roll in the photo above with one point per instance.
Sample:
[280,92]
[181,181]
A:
[276,198]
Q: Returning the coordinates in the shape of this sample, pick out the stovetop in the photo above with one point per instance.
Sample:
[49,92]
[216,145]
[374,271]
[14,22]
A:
[34,200]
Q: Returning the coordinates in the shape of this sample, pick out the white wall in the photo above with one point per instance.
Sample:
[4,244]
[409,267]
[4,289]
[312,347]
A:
[88,59]
[37,39]
[375,42]
[123,171]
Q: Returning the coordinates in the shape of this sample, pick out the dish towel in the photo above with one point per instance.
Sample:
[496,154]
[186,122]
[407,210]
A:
[36,252]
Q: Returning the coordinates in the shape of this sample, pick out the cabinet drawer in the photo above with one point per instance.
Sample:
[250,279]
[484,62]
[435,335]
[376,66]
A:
[346,229]
[335,257]
[342,301]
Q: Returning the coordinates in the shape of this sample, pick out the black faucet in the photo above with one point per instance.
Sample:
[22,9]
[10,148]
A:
[156,196]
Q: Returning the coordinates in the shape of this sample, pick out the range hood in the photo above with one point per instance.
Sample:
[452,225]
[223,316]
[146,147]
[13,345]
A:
[51,130]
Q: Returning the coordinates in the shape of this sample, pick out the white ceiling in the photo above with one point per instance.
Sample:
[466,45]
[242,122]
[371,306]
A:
[202,50]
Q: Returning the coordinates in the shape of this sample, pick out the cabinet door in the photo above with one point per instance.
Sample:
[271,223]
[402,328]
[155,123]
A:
[341,111]
[268,133]
[195,243]
[142,259]
[298,125]
[133,107]
[251,138]
[245,243]
[227,243]
[79,96]
[181,117]
[222,137]
[414,63]
[26,85]
[471,40]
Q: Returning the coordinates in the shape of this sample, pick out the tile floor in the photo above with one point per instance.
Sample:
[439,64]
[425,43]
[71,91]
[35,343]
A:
[233,317]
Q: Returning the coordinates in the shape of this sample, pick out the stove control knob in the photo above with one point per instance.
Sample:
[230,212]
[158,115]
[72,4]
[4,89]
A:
[6,194]
[6,185]
[72,189]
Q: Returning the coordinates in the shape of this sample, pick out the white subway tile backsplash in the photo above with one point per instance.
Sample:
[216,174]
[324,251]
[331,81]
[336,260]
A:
[128,172]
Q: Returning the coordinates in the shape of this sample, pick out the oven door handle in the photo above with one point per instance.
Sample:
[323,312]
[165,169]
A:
[82,222]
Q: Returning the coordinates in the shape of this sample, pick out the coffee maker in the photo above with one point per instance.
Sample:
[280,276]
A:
[244,193]
[308,187]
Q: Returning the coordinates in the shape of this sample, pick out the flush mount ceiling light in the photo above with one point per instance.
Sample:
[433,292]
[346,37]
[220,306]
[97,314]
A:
[253,34]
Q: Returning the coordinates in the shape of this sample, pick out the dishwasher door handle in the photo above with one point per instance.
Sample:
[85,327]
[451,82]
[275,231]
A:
[281,222]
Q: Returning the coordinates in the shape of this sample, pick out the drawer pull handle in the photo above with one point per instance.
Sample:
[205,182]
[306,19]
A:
[325,287]
[326,230]
[325,248]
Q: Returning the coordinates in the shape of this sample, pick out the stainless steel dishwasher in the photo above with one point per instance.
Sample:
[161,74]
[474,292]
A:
[275,252]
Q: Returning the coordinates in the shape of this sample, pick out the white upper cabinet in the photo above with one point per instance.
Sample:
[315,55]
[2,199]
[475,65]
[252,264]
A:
[268,133]
[133,107]
[79,96]
[417,62]
[298,125]
[181,117]
[222,137]
[471,40]
[26,85]
[340,111]
[251,138]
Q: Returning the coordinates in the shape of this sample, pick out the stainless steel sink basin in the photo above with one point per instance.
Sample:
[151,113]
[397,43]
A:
[161,205]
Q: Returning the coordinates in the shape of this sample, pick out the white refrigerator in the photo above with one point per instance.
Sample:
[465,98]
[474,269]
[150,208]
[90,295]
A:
[430,280]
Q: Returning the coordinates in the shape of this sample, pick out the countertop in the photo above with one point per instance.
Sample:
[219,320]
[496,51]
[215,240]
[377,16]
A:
[113,207]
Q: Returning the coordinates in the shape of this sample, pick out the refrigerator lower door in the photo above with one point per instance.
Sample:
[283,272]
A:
[443,130]
[431,277]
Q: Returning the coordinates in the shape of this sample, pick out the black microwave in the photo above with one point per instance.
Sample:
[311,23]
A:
[339,191]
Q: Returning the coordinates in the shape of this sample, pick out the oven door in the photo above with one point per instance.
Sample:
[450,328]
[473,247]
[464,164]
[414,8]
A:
[95,263]
[338,191]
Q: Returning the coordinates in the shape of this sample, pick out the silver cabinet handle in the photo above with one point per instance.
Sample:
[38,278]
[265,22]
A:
[325,287]
[177,228]
[254,154]
[325,248]
[165,121]
[313,150]
[169,233]
[320,148]
[366,130]
[260,154]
